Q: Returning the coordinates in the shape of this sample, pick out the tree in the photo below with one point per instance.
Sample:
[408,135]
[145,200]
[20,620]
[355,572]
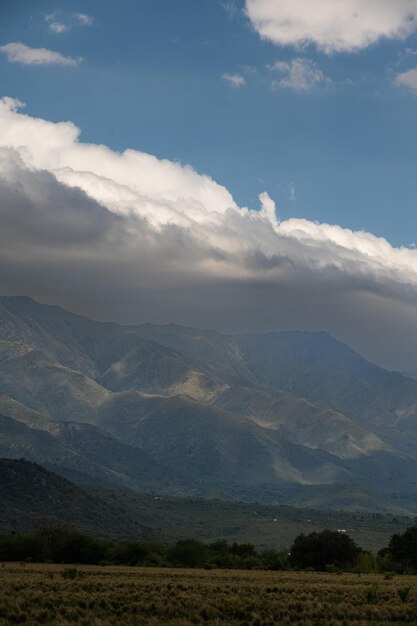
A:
[323,549]
[243,549]
[402,549]
[187,553]
[274,560]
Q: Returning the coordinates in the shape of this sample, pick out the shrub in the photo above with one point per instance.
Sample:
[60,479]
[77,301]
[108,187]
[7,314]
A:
[371,594]
[69,573]
[403,593]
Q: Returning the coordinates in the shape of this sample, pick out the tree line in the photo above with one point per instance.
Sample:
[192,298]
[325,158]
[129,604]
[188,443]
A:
[318,551]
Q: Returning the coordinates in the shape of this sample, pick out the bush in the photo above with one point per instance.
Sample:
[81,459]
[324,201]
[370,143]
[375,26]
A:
[403,593]
[371,594]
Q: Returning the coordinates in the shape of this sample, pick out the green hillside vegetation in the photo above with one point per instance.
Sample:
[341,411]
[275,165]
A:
[32,497]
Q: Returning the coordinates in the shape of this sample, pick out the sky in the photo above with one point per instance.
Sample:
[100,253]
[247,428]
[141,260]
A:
[243,165]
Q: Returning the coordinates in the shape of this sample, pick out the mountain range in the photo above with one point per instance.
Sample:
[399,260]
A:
[192,412]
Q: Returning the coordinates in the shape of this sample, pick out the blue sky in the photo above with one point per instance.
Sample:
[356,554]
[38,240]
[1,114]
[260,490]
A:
[243,165]
[343,152]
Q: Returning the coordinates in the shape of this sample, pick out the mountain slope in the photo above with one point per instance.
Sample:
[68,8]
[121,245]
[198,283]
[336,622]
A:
[302,422]
[88,455]
[321,369]
[310,366]
[110,354]
[38,381]
[20,412]
[240,456]
[32,497]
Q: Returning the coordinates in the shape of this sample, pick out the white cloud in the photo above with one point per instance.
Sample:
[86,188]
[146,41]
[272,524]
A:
[332,25]
[125,183]
[298,75]
[59,22]
[236,80]
[20,53]
[230,7]
[133,237]
[59,27]
[84,19]
[407,79]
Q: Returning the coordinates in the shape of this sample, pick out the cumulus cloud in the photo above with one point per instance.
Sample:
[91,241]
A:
[20,53]
[297,75]
[332,25]
[130,237]
[236,80]
[407,79]
[62,23]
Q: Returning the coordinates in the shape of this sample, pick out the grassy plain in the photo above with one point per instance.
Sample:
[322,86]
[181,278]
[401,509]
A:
[103,596]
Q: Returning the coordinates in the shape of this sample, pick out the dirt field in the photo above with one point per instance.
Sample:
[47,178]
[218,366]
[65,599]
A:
[104,596]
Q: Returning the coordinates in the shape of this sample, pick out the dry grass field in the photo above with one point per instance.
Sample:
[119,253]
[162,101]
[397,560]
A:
[103,596]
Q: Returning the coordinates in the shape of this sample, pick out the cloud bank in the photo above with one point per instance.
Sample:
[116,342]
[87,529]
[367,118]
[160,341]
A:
[131,237]
[21,53]
[332,25]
